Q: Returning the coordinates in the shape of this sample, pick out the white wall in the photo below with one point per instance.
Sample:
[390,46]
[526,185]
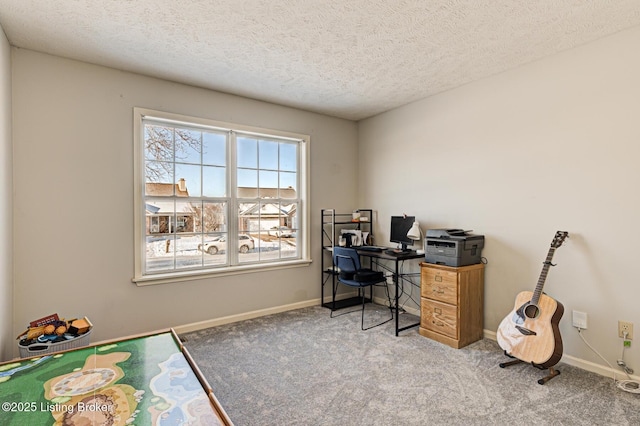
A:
[6,202]
[73,164]
[553,145]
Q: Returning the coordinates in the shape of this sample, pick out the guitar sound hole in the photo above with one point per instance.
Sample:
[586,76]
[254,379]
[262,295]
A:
[531,311]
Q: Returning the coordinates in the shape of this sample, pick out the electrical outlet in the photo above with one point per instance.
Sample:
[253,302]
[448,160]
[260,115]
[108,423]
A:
[625,326]
[579,320]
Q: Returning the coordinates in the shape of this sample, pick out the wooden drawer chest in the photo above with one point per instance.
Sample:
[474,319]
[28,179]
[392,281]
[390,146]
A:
[451,303]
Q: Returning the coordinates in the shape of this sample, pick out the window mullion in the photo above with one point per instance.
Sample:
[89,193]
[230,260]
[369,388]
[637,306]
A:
[173,221]
[232,217]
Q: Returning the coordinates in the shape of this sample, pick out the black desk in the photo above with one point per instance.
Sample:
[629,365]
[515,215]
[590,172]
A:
[396,275]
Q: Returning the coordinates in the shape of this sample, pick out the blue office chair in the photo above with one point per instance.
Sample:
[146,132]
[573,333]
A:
[351,273]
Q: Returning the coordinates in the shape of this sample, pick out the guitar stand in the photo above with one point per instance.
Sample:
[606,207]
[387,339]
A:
[552,372]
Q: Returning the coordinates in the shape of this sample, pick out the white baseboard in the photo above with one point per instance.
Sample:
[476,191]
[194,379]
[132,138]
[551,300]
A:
[488,334]
[580,363]
[201,325]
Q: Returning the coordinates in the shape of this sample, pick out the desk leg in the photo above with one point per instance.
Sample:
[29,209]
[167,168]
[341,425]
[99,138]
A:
[396,281]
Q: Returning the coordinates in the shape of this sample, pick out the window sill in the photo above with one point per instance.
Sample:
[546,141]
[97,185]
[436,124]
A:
[175,277]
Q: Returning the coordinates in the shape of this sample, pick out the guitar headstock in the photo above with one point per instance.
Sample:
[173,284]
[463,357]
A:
[559,238]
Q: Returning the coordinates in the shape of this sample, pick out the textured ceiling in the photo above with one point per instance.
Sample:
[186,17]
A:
[351,59]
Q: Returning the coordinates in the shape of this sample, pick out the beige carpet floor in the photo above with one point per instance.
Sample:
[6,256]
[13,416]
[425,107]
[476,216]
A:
[304,368]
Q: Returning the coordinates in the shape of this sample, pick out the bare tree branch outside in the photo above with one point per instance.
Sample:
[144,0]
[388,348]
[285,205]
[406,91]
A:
[159,150]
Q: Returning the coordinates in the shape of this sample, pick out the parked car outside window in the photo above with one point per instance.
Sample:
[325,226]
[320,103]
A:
[282,232]
[213,246]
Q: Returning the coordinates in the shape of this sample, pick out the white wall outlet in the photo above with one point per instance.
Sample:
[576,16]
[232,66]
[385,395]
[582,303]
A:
[580,320]
[625,326]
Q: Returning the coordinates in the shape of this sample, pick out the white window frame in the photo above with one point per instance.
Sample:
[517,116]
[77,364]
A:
[303,216]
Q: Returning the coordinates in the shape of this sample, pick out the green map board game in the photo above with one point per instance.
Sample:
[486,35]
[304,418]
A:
[148,380]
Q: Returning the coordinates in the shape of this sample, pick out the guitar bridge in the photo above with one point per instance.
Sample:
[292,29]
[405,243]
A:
[526,331]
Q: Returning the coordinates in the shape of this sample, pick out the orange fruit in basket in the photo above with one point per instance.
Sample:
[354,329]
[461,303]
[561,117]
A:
[61,330]
[49,329]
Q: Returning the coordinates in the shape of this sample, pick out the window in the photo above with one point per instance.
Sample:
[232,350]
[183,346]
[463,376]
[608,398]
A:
[214,198]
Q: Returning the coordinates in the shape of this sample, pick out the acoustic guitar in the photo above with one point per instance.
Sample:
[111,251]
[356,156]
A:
[530,332]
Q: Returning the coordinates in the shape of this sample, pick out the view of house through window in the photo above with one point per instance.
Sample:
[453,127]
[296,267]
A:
[216,197]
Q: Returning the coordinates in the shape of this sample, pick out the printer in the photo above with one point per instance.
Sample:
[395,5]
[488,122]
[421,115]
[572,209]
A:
[452,247]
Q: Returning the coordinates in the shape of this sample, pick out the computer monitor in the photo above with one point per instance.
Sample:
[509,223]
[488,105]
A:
[400,226]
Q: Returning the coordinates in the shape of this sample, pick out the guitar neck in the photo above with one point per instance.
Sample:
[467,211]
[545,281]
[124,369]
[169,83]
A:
[543,276]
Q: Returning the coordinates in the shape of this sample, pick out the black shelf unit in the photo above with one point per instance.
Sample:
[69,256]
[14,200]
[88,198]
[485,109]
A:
[332,225]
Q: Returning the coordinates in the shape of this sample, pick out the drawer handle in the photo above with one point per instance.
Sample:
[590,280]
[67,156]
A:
[438,290]
[439,324]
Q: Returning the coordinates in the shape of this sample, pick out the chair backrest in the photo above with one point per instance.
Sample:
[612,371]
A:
[346,259]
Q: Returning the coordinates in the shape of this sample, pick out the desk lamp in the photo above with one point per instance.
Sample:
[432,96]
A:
[415,234]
